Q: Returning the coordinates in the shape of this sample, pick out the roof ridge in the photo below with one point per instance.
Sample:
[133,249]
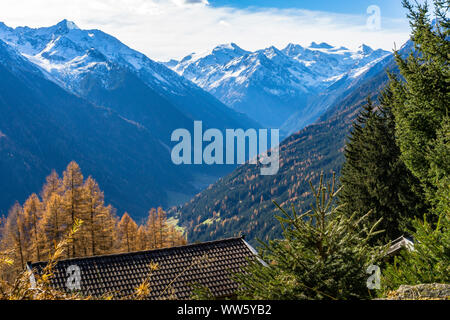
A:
[143,251]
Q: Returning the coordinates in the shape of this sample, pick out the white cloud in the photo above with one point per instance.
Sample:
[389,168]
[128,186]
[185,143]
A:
[165,29]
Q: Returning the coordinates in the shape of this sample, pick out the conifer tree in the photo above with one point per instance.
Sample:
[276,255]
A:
[427,262]
[142,239]
[374,178]
[95,208]
[53,185]
[53,224]
[127,230]
[162,228]
[423,129]
[421,100]
[174,237]
[14,236]
[108,237]
[152,228]
[73,199]
[160,233]
[33,211]
[323,255]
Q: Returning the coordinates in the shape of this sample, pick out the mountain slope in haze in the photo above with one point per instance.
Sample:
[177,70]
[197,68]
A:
[271,85]
[43,127]
[242,201]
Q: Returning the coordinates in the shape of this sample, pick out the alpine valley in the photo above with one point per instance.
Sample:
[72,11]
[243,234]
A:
[241,203]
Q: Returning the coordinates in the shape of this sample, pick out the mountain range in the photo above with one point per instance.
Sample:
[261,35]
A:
[278,88]
[83,95]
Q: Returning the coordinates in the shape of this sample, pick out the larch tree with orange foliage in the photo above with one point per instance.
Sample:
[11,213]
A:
[53,224]
[96,213]
[31,232]
[142,239]
[14,238]
[32,211]
[127,231]
[73,199]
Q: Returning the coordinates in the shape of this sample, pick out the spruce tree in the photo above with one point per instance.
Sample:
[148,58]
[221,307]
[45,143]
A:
[427,262]
[421,108]
[421,100]
[374,178]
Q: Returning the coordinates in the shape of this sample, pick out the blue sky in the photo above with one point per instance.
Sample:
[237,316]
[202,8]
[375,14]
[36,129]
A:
[165,29]
[390,8]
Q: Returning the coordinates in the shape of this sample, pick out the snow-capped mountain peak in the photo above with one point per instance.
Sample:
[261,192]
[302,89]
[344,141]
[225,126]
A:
[322,45]
[228,47]
[67,25]
[3,26]
[271,52]
[219,55]
[365,49]
[66,52]
[270,84]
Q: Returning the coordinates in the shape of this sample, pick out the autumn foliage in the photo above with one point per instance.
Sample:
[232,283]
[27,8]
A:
[32,231]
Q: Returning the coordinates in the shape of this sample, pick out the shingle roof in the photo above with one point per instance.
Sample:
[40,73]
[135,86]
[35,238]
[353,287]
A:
[207,264]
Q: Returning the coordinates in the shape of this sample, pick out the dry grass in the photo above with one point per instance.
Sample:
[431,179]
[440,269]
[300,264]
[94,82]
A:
[22,288]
